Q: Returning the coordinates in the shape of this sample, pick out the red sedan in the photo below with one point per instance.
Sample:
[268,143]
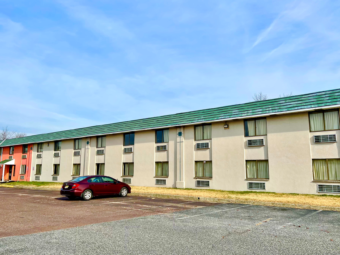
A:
[88,187]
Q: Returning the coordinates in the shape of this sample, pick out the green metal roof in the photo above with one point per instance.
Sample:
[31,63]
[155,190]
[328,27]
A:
[5,161]
[257,108]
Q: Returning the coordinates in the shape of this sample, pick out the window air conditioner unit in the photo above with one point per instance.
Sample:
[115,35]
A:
[10,157]
[202,183]
[56,154]
[39,155]
[37,178]
[328,188]
[202,145]
[162,148]
[127,180]
[128,150]
[160,182]
[54,178]
[24,156]
[325,139]
[256,185]
[100,152]
[76,153]
[255,142]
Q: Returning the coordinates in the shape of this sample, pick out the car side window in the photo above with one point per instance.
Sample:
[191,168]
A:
[95,180]
[108,180]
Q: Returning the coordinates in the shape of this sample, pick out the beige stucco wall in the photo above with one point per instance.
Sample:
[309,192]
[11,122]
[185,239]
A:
[290,159]
[289,148]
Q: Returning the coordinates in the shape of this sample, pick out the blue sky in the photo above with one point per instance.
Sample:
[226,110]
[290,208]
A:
[67,63]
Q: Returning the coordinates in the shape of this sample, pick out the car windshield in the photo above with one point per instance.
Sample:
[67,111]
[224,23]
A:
[79,179]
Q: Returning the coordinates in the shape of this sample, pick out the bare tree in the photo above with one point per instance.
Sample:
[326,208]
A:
[6,134]
[286,95]
[259,97]
[19,135]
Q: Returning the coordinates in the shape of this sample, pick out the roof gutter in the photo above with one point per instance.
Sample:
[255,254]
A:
[188,124]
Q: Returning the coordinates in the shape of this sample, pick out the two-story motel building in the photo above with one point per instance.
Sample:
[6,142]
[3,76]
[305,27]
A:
[279,145]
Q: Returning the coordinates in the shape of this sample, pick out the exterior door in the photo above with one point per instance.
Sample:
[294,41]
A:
[10,172]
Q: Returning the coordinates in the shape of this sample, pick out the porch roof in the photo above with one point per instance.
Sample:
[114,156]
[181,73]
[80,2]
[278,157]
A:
[6,161]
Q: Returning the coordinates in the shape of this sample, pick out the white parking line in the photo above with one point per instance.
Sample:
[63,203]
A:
[191,216]
[290,223]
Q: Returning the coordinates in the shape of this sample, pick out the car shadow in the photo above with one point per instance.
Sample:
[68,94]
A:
[94,198]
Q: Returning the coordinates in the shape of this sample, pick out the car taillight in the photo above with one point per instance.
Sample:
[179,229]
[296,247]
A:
[76,185]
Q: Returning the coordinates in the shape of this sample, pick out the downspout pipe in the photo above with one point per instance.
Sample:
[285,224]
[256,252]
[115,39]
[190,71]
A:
[3,167]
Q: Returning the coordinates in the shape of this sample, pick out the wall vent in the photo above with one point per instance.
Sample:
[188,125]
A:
[10,157]
[128,150]
[54,178]
[256,185]
[162,148]
[160,182]
[328,188]
[255,142]
[22,177]
[325,139]
[127,180]
[37,178]
[56,154]
[76,153]
[202,145]
[39,155]
[100,152]
[24,156]
[202,184]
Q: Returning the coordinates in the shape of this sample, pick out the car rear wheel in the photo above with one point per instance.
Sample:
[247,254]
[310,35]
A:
[87,195]
[123,192]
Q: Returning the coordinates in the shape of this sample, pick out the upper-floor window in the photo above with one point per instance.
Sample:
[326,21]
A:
[101,141]
[257,169]
[11,150]
[255,127]
[24,149]
[77,144]
[326,169]
[322,121]
[203,132]
[162,136]
[57,146]
[203,169]
[40,147]
[129,139]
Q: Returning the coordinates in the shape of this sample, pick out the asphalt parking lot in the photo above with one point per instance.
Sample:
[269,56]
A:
[40,222]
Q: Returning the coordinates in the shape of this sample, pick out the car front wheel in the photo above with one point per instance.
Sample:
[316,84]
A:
[123,192]
[87,195]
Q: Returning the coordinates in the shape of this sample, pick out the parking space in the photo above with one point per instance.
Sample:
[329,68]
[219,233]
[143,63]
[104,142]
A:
[25,211]
[139,225]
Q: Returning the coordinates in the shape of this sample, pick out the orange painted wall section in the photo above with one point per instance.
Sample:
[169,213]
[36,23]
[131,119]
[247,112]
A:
[19,161]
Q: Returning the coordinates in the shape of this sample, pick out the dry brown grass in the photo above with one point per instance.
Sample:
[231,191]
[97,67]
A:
[323,202]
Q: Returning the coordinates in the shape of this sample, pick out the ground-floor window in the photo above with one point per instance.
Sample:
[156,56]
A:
[128,169]
[23,169]
[100,169]
[56,169]
[203,169]
[76,169]
[326,169]
[38,169]
[257,169]
[162,169]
